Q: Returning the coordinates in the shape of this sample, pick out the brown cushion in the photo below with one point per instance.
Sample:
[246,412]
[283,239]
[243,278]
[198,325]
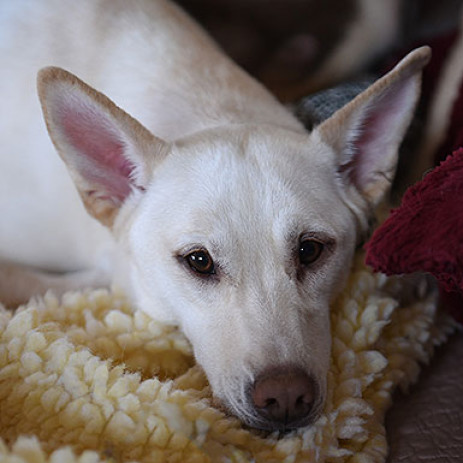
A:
[426,425]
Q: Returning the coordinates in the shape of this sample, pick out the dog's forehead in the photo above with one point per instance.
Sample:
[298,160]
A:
[267,181]
[266,157]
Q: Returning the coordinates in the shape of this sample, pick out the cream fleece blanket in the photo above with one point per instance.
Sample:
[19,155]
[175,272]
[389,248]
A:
[87,380]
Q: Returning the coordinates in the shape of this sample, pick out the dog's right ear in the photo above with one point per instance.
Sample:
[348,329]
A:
[108,153]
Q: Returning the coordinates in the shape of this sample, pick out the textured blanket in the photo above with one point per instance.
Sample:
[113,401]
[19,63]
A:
[87,380]
[425,233]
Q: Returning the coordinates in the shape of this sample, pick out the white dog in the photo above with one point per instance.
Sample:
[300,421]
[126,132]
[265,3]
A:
[215,209]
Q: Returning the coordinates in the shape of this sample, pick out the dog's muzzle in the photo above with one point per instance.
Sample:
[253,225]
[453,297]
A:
[284,398]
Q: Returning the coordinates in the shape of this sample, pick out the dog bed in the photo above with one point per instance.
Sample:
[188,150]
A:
[88,380]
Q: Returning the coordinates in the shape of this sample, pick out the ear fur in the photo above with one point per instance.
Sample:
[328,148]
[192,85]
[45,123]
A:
[367,132]
[108,153]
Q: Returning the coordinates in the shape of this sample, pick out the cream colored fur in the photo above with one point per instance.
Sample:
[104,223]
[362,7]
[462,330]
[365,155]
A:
[87,380]
[207,159]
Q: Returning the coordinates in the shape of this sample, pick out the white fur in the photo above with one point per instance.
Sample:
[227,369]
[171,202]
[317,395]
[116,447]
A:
[229,170]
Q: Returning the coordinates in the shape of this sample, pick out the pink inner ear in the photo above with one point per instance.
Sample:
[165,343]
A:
[101,161]
[364,156]
[372,146]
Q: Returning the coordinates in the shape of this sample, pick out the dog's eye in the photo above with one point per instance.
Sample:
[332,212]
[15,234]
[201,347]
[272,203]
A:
[309,251]
[201,262]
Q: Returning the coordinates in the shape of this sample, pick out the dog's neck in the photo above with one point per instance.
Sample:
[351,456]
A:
[243,102]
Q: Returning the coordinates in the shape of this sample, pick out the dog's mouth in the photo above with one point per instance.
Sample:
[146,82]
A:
[273,404]
[256,422]
[283,427]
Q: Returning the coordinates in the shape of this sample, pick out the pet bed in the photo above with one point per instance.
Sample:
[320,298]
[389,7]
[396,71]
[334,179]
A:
[87,380]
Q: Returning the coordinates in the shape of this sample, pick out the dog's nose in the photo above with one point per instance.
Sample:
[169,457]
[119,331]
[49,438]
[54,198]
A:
[284,397]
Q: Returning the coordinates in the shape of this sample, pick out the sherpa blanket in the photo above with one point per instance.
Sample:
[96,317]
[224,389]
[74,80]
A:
[88,380]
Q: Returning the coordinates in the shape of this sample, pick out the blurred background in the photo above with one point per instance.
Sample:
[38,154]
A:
[298,46]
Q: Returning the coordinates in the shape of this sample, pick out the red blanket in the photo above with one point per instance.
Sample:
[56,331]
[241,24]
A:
[426,232]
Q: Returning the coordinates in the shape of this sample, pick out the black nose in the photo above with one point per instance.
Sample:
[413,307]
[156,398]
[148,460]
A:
[284,397]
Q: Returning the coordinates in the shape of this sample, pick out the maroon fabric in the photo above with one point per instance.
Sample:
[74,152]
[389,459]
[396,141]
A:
[426,232]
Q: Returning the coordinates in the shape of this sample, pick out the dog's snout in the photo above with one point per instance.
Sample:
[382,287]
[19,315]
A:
[284,398]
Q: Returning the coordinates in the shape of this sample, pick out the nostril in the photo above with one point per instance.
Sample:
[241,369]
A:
[284,397]
[271,402]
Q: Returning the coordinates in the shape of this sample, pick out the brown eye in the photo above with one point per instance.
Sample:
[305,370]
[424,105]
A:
[309,251]
[201,262]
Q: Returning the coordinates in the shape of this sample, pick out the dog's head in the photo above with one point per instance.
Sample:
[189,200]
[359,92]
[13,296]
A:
[240,234]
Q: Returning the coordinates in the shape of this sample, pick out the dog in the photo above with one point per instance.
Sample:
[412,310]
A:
[204,198]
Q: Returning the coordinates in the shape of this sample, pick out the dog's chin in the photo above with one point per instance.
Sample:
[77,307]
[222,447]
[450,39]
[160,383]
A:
[268,426]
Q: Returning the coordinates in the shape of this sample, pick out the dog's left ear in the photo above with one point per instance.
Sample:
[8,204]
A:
[109,154]
[367,132]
